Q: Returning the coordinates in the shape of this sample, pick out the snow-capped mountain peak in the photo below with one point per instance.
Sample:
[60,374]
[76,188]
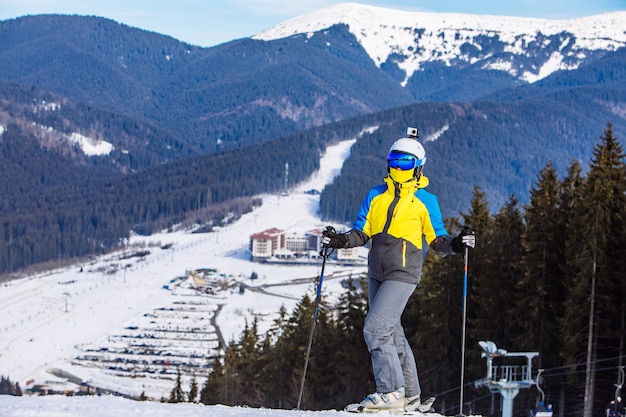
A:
[527,48]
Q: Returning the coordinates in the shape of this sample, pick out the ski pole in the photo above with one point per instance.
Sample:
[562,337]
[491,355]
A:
[463,331]
[325,253]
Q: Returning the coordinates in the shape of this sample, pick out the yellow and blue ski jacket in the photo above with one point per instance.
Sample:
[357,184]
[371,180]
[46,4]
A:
[398,217]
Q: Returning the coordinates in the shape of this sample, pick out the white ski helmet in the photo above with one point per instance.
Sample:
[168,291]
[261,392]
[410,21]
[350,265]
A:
[397,157]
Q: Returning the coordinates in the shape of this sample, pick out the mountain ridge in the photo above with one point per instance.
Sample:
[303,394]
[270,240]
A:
[604,31]
[170,111]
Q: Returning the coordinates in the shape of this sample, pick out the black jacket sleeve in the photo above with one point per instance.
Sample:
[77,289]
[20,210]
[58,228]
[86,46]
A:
[355,238]
[446,244]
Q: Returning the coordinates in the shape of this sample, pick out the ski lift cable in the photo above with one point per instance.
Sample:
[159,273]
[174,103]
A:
[570,366]
[580,371]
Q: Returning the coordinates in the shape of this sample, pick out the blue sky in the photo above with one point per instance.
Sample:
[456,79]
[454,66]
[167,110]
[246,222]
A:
[211,22]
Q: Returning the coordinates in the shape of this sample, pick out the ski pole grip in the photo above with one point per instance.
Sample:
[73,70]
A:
[330,232]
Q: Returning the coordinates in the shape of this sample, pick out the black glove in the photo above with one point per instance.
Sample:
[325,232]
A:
[465,239]
[332,239]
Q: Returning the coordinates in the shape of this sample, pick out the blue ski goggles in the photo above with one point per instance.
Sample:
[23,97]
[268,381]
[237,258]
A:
[403,161]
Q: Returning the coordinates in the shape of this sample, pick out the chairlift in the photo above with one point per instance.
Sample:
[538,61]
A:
[615,407]
[541,410]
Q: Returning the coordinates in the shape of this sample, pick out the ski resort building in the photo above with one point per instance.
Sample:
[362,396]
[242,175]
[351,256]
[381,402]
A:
[277,246]
[263,245]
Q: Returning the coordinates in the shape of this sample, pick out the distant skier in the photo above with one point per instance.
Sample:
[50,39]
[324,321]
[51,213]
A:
[542,410]
[396,216]
[615,408]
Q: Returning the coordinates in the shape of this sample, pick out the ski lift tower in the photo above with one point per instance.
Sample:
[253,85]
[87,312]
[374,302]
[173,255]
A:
[506,379]
[286,184]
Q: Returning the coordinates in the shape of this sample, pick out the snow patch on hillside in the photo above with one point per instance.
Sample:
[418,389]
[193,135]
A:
[433,137]
[90,146]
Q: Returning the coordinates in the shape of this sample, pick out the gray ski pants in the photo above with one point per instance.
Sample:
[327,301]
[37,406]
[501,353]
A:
[392,357]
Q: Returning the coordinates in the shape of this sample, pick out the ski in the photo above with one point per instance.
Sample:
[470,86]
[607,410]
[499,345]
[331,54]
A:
[425,406]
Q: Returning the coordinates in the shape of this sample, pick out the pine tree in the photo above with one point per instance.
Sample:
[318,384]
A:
[294,342]
[249,366]
[570,202]
[541,287]
[353,360]
[322,379]
[177,395]
[6,386]
[274,373]
[595,249]
[481,296]
[506,253]
[433,322]
[212,390]
[192,397]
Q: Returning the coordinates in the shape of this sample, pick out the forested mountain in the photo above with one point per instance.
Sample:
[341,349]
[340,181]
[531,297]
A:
[90,108]
[59,140]
[232,95]
[338,63]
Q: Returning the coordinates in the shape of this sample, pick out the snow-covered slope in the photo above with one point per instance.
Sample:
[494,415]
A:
[126,321]
[412,39]
[107,406]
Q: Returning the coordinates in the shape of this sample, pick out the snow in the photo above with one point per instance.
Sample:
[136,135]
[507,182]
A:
[91,146]
[433,137]
[383,32]
[108,406]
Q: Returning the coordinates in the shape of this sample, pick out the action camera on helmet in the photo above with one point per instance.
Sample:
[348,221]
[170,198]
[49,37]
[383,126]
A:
[412,132]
